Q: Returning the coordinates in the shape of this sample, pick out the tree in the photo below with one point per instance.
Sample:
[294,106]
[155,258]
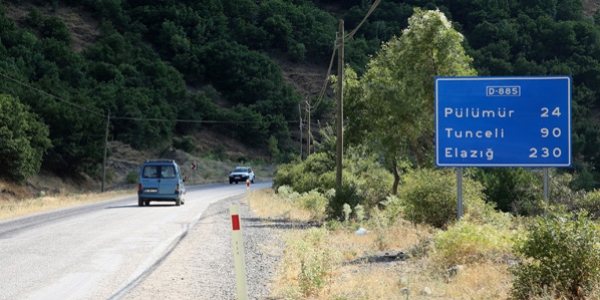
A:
[395,97]
[23,140]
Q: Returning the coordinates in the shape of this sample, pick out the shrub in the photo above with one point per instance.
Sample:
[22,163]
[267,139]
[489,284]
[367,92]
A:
[364,181]
[347,210]
[54,27]
[561,255]
[296,51]
[289,174]
[583,179]
[393,207]
[505,186]
[590,202]
[467,242]
[346,195]
[429,196]
[521,190]
[359,213]
[23,140]
[315,258]
[185,143]
[273,148]
[315,202]
[34,18]
[132,177]
[288,194]
[579,200]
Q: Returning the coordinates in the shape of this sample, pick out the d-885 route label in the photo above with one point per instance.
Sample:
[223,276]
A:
[503,121]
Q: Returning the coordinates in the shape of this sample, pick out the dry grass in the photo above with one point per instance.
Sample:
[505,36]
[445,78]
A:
[481,281]
[17,208]
[346,272]
[265,204]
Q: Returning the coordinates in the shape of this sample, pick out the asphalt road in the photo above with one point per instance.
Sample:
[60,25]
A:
[99,250]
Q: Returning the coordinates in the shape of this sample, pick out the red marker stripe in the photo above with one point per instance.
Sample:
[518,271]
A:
[235,221]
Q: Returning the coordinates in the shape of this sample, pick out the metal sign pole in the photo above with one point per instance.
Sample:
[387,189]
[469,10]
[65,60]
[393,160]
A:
[546,189]
[459,176]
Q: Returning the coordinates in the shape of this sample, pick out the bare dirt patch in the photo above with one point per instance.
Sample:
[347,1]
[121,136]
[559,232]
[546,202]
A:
[307,78]
[228,147]
[590,6]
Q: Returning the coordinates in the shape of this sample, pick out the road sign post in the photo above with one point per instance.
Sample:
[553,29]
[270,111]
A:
[503,122]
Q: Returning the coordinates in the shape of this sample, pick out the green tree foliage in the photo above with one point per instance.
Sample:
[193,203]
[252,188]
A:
[257,84]
[560,257]
[245,124]
[23,140]
[429,196]
[509,37]
[256,77]
[77,134]
[505,186]
[55,28]
[288,23]
[273,149]
[391,106]
[364,180]
[185,143]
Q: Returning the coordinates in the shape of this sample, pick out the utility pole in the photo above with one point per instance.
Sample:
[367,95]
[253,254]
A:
[105,148]
[308,135]
[300,113]
[340,106]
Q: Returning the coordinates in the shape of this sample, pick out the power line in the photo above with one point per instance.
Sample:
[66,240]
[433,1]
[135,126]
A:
[127,118]
[185,121]
[335,47]
[324,87]
[349,36]
[55,97]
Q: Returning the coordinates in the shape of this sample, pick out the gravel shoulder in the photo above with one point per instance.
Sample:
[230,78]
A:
[201,266]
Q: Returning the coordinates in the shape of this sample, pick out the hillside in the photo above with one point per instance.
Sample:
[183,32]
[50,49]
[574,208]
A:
[306,78]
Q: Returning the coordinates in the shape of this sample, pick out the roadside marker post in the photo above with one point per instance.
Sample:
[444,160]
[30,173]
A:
[248,192]
[238,253]
[194,167]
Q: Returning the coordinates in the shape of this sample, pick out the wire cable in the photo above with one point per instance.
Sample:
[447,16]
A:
[349,36]
[324,87]
[55,97]
[312,108]
[126,118]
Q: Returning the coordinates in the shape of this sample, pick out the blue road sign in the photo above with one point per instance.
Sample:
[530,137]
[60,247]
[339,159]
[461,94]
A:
[503,121]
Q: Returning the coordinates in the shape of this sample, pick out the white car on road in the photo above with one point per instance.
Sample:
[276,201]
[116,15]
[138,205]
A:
[241,174]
